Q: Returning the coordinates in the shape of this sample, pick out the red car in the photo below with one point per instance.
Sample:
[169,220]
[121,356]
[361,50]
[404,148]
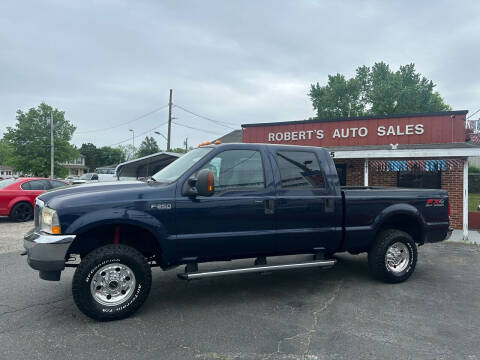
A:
[17,196]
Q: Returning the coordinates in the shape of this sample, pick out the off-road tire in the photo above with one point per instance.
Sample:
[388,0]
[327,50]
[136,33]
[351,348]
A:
[99,258]
[377,256]
[21,212]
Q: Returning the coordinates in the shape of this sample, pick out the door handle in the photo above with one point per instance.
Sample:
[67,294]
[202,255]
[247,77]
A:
[269,206]
[330,205]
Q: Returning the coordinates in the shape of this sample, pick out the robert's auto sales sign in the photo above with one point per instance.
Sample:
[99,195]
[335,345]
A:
[421,129]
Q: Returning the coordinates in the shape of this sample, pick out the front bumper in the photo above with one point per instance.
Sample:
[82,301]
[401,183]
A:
[47,253]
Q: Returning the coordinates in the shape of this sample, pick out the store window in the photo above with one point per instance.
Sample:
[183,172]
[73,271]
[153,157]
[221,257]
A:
[435,165]
[396,165]
[428,176]
[342,173]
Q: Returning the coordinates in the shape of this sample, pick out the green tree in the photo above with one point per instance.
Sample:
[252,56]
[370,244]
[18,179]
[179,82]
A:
[30,141]
[147,147]
[376,91]
[110,156]
[339,98]
[6,152]
[104,156]
[180,150]
[129,152]
[91,154]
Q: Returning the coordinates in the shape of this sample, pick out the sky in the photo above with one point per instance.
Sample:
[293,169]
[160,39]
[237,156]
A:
[107,63]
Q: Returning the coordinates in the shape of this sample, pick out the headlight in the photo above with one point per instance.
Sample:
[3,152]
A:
[49,221]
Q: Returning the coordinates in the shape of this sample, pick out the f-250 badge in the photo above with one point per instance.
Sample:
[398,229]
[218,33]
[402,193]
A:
[435,202]
[162,206]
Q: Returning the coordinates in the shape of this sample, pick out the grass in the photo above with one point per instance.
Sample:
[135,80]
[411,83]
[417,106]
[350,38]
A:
[473,201]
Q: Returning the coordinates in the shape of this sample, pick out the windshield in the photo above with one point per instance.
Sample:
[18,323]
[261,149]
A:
[85,177]
[6,182]
[173,171]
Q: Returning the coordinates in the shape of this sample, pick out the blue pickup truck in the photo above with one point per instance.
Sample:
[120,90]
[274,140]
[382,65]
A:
[219,203]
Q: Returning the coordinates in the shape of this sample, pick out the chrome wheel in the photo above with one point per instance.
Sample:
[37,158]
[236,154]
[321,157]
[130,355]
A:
[397,258]
[112,284]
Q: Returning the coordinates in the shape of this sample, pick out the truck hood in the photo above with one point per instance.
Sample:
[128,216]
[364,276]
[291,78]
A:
[98,192]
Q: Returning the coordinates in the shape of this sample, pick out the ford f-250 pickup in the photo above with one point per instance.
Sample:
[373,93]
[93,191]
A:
[219,203]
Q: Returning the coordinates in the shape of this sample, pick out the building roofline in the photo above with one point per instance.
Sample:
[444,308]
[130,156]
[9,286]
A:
[395,116]
[404,153]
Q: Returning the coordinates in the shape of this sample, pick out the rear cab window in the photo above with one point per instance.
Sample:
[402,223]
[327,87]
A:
[300,170]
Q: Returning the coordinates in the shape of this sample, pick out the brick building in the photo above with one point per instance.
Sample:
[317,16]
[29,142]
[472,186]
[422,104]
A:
[427,150]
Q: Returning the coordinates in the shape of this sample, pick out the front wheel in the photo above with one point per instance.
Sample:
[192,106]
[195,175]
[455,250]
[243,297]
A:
[111,282]
[393,257]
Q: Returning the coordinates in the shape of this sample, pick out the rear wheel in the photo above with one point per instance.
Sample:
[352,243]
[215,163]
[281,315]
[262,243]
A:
[22,211]
[393,257]
[111,282]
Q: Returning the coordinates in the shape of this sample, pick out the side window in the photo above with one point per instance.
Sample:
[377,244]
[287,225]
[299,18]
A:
[94,177]
[237,170]
[26,185]
[299,170]
[36,185]
[56,184]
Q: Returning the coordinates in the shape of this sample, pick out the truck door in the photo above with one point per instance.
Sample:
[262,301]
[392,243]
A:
[308,210]
[235,220]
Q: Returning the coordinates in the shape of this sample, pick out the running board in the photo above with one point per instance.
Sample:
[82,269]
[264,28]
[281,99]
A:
[254,269]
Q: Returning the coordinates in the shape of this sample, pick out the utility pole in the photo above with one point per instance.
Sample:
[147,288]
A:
[52,147]
[169,120]
[186,144]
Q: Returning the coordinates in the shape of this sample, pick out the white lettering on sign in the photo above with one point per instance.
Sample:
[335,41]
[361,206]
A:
[363,131]
[345,133]
[349,132]
[400,130]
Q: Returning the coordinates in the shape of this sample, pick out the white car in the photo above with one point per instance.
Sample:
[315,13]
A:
[94,177]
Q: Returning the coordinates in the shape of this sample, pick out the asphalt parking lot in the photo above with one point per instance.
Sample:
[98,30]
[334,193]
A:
[339,313]
[11,234]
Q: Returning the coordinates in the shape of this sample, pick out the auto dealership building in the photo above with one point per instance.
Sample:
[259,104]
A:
[428,150]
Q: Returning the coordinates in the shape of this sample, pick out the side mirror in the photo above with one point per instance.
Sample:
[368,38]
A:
[203,185]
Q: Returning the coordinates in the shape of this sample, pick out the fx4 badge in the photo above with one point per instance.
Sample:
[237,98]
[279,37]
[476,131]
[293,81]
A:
[435,202]
[162,206]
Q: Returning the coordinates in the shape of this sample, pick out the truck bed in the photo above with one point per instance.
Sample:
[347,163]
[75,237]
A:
[367,206]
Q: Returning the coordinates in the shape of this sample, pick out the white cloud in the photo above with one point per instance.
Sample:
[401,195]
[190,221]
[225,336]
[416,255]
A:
[107,62]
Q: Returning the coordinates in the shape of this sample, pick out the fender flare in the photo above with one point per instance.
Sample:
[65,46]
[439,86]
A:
[400,209]
[118,216]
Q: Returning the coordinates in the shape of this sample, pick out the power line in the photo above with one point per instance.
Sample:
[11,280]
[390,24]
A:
[126,122]
[136,136]
[218,122]
[473,114]
[194,128]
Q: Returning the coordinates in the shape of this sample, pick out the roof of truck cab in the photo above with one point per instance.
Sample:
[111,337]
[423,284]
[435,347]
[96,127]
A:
[260,145]
[237,144]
